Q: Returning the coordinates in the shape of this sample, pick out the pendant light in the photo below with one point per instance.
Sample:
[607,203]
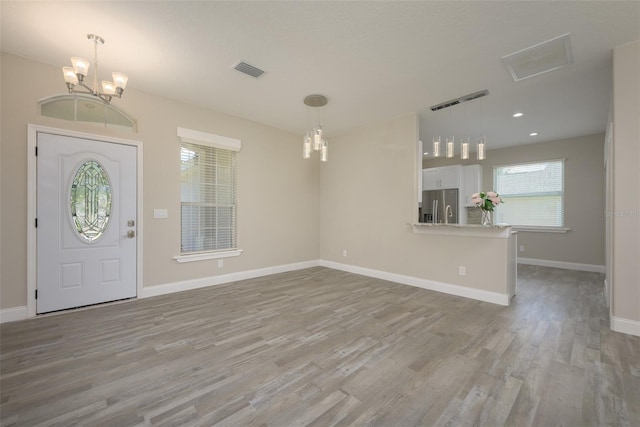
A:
[75,76]
[464,148]
[314,140]
[451,144]
[436,146]
[481,149]
[465,141]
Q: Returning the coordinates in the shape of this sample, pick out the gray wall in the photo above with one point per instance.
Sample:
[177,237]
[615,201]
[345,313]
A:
[278,198]
[584,196]
[369,198]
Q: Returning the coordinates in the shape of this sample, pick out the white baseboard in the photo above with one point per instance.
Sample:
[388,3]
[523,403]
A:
[168,288]
[625,326]
[606,292]
[562,264]
[20,313]
[13,314]
[461,291]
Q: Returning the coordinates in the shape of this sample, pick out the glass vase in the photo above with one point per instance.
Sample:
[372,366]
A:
[487,218]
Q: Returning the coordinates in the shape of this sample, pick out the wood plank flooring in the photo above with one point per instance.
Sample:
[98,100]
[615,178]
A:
[321,347]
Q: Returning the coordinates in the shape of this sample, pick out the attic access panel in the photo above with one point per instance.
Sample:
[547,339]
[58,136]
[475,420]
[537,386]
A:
[540,58]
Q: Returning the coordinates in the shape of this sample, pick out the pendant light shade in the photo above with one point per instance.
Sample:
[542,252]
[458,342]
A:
[317,138]
[108,88]
[306,146]
[482,146]
[80,66]
[120,79]
[464,148]
[450,147]
[69,76]
[436,146]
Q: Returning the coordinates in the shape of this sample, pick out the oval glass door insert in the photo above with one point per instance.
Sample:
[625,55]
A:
[91,200]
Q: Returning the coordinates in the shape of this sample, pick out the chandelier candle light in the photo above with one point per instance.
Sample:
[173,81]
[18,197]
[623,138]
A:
[75,76]
[314,139]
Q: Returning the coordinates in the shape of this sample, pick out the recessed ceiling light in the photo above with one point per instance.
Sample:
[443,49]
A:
[518,115]
[533,134]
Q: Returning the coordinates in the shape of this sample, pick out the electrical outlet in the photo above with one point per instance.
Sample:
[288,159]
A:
[220,263]
[521,248]
[462,270]
[344,252]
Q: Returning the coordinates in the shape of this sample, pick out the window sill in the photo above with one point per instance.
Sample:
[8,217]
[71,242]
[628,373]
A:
[532,229]
[207,255]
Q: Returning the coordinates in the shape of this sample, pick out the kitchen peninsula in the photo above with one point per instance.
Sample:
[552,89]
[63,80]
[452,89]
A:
[496,244]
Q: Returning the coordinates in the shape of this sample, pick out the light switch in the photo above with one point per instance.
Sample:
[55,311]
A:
[160,213]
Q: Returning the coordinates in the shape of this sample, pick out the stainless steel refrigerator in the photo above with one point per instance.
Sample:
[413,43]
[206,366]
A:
[434,206]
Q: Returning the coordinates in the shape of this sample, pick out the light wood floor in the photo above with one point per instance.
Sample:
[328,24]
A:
[321,347]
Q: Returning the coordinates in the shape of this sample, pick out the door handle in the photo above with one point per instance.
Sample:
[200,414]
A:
[131,234]
[435,211]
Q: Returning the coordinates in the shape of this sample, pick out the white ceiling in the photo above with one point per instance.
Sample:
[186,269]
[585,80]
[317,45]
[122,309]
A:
[373,60]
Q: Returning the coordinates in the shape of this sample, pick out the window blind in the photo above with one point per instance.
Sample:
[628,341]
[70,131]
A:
[208,198]
[533,193]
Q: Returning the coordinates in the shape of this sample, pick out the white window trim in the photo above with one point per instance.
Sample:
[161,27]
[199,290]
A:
[540,229]
[209,139]
[215,141]
[207,255]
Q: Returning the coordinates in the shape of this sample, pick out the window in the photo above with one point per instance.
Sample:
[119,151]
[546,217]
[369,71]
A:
[207,193]
[533,193]
[86,109]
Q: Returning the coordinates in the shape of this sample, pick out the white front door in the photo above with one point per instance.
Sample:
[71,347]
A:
[86,229]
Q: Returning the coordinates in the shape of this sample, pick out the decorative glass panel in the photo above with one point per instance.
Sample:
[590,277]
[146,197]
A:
[91,200]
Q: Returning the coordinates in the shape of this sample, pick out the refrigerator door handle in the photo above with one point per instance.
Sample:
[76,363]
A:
[435,212]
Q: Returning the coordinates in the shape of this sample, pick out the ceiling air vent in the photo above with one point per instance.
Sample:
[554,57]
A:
[540,58]
[250,70]
[457,101]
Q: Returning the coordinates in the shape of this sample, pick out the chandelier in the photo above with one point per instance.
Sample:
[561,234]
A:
[75,76]
[314,139]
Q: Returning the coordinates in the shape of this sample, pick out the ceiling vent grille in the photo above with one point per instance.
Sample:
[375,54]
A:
[249,70]
[462,99]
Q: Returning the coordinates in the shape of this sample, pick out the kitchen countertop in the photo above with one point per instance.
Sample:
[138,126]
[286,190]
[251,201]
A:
[501,231]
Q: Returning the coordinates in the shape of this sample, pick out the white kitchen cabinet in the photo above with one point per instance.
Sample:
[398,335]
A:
[471,182]
[450,176]
[442,177]
[430,179]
